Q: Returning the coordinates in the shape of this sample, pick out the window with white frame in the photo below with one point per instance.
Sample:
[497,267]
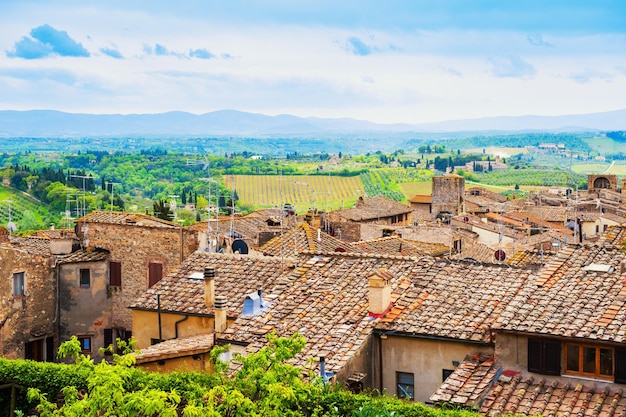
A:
[19,284]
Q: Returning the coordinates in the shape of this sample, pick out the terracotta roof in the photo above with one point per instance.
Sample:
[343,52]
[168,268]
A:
[247,226]
[395,245]
[304,238]
[33,245]
[371,209]
[325,299]
[459,300]
[85,255]
[615,235]
[509,221]
[614,217]
[176,348]
[529,258]
[476,251]
[468,384]
[235,277]
[548,214]
[570,298]
[485,202]
[134,219]
[482,385]
[475,221]
[488,194]
[422,199]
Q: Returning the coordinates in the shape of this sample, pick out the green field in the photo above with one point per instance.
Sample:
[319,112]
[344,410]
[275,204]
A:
[16,205]
[302,191]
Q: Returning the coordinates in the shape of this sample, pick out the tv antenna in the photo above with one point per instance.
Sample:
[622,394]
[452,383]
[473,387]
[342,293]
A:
[112,184]
[84,207]
[10,225]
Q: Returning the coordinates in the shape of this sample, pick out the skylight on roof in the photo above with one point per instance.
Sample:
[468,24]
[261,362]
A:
[599,268]
[196,275]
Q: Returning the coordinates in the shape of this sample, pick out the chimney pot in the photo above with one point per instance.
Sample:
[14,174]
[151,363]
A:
[209,286]
[221,321]
[379,292]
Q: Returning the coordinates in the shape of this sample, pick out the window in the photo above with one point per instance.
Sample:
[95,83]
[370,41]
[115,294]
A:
[457,245]
[115,274]
[155,273]
[85,344]
[108,341]
[544,356]
[18,284]
[39,350]
[592,361]
[405,385]
[85,278]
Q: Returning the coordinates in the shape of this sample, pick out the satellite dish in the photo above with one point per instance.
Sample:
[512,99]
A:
[12,227]
[500,255]
[240,247]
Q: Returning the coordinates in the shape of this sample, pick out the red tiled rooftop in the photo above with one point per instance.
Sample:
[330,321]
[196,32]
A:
[483,386]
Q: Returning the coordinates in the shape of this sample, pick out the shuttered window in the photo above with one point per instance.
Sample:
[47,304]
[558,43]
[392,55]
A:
[544,356]
[620,365]
[115,274]
[155,273]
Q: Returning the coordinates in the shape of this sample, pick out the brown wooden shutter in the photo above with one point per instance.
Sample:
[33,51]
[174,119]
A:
[115,274]
[155,273]
[620,365]
[544,356]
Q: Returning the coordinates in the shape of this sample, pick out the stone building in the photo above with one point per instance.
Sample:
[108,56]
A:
[602,182]
[379,211]
[143,249]
[85,305]
[51,290]
[27,298]
[447,195]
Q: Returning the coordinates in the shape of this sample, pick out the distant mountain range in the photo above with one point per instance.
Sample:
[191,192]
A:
[49,123]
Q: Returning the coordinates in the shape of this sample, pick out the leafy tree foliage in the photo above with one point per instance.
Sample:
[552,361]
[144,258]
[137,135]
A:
[264,385]
[162,210]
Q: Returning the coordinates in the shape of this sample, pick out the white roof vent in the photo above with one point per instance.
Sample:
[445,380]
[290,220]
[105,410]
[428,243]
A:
[599,268]
[199,275]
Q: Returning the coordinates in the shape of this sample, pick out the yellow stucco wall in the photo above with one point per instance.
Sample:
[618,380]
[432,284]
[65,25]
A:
[425,359]
[146,326]
[202,363]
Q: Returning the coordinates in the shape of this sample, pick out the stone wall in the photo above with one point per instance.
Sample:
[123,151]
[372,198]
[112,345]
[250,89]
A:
[598,182]
[448,191]
[135,247]
[348,232]
[30,317]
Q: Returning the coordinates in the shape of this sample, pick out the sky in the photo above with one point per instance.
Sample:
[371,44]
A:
[389,61]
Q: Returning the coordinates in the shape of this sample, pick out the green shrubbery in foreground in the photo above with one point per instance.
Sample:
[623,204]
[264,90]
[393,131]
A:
[264,385]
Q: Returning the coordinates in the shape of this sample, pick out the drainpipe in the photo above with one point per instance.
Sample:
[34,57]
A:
[57,274]
[380,363]
[159,315]
[182,257]
[176,325]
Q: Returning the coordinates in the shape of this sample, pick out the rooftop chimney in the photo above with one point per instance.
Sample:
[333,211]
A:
[379,292]
[221,321]
[209,286]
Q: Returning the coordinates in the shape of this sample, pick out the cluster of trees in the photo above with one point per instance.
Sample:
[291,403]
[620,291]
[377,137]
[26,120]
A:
[428,148]
[265,385]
